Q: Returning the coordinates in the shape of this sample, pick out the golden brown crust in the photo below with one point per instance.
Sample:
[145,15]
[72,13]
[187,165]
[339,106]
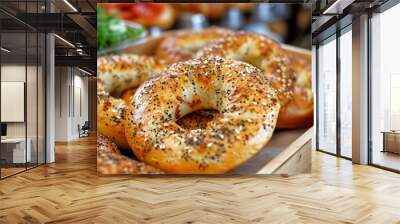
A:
[289,75]
[184,44]
[259,51]
[299,113]
[111,161]
[115,74]
[128,94]
[248,109]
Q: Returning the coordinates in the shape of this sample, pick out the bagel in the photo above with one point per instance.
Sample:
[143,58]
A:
[127,95]
[289,74]
[248,108]
[259,51]
[184,44]
[111,161]
[115,74]
[299,113]
[196,120]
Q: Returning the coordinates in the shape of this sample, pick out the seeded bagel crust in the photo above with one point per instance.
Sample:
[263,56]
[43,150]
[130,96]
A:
[290,76]
[111,161]
[248,109]
[184,44]
[115,74]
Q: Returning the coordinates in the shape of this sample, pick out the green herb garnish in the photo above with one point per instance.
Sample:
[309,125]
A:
[112,30]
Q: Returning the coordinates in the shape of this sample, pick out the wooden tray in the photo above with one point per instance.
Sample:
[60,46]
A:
[288,152]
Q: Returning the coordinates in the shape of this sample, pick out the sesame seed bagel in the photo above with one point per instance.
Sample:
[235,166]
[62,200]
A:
[259,51]
[299,113]
[195,120]
[288,74]
[111,161]
[184,44]
[114,75]
[247,108]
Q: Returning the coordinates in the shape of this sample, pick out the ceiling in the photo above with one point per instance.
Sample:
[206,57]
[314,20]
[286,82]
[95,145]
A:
[332,15]
[72,20]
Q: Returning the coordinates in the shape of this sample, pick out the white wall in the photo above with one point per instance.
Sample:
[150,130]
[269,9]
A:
[71,94]
[61,103]
[12,73]
[80,110]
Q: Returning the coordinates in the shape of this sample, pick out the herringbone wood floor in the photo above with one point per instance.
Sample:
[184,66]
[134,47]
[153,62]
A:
[69,191]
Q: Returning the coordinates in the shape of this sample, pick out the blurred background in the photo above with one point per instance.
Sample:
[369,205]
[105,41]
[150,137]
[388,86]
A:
[286,23]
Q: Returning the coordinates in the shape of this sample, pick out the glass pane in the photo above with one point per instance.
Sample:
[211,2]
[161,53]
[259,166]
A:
[385,114]
[41,98]
[13,87]
[22,88]
[346,94]
[327,97]
[32,98]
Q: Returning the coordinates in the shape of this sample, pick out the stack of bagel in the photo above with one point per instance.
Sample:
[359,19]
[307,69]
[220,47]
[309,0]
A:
[205,102]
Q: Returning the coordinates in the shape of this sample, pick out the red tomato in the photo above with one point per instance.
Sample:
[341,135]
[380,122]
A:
[133,11]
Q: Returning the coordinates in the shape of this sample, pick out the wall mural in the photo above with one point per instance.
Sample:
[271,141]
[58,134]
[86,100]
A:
[205,88]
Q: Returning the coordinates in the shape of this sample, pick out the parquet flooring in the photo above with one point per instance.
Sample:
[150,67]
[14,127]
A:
[70,191]
[10,171]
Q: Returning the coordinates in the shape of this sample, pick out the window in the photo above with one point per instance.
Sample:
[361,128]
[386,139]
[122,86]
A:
[385,89]
[327,96]
[346,92]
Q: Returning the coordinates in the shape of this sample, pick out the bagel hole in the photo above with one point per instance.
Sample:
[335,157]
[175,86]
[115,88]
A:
[128,153]
[197,119]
